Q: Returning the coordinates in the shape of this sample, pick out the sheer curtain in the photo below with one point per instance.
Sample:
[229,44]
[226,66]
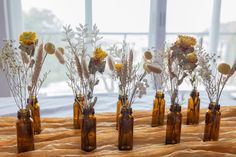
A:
[10,27]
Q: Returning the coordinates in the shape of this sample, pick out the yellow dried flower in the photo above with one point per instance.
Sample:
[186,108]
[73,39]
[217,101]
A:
[49,48]
[99,54]
[224,68]
[28,38]
[186,40]
[118,66]
[191,57]
[148,55]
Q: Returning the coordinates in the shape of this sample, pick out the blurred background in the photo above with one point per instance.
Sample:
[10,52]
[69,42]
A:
[141,23]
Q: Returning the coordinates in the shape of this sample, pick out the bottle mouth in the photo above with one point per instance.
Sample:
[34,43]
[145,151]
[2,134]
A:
[23,113]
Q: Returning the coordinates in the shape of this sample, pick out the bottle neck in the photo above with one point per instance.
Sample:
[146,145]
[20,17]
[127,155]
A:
[32,100]
[160,94]
[23,114]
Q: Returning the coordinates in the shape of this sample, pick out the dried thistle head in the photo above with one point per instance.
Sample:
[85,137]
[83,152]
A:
[50,48]
[224,68]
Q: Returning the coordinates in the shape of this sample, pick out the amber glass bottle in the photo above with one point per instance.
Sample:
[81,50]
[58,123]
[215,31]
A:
[193,108]
[25,131]
[35,112]
[77,110]
[158,112]
[88,130]
[118,109]
[209,120]
[126,125]
[174,122]
[216,124]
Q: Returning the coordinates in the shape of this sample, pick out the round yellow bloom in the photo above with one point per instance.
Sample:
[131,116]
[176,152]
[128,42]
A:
[28,38]
[191,57]
[49,48]
[99,54]
[224,68]
[187,41]
[148,55]
[118,66]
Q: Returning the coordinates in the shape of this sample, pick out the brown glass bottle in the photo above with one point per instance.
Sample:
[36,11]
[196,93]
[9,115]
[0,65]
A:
[193,108]
[173,127]
[35,113]
[88,130]
[158,112]
[126,125]
[25,131]
[216,124]
[77,111]
[209,119]
[118,109]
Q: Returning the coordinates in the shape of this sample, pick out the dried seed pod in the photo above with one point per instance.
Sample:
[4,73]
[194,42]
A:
[59,56]
[224,68]
[154,68]
[145,68]
[50,48]
[148,55]
[61,50]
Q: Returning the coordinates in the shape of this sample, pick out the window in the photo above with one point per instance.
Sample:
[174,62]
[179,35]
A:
[117,20]
[191,17]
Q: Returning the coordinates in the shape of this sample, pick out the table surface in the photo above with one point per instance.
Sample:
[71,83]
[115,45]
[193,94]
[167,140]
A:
[58,138]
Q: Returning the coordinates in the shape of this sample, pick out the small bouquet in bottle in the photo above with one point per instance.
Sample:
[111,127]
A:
[83,79]
[132,84]
[214,78]
[181,60]
[22,67]
[159,81]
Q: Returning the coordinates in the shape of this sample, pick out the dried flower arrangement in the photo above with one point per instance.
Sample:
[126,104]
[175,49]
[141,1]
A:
[214,77]
[22,66]
[82,76]
[158,59]
[181,61]
[131,83]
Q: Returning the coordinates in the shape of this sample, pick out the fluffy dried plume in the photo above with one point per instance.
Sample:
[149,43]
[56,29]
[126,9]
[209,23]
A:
[85,68]
[79,67]
[131,57]
[38,66]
